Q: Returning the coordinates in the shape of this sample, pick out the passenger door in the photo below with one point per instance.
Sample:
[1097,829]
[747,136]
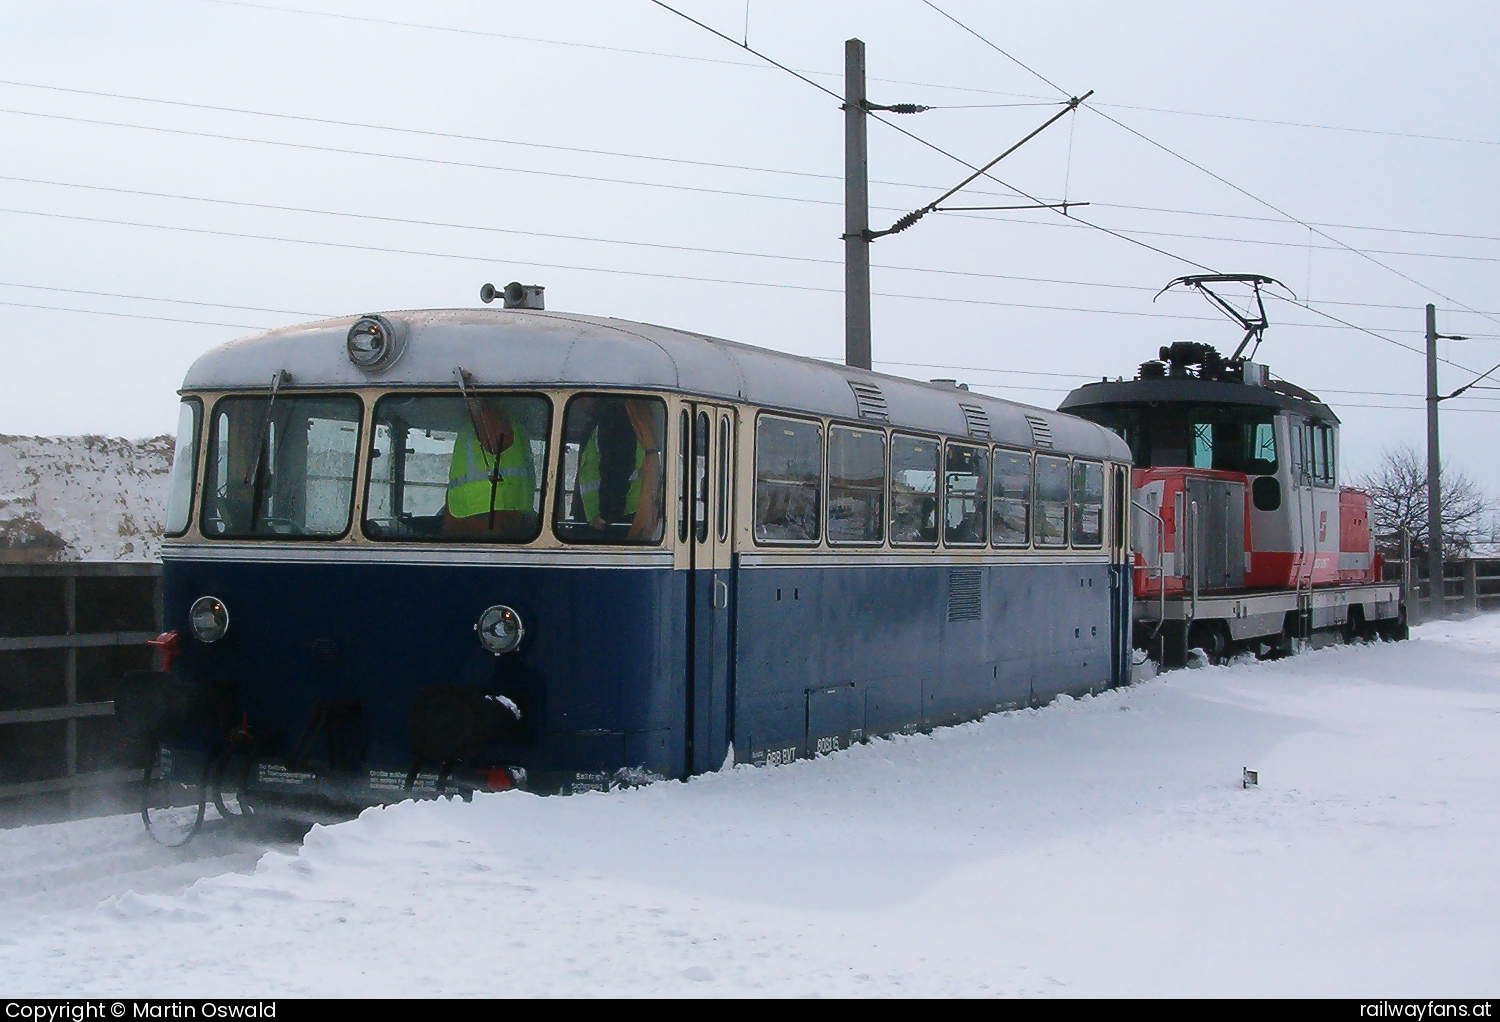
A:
[1121,575]
[711,586]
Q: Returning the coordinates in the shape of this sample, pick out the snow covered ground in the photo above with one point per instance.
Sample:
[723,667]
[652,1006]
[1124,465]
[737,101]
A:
[1095,847]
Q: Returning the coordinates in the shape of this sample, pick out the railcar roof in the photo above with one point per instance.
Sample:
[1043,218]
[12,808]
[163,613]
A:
[1191,390]
[513,347]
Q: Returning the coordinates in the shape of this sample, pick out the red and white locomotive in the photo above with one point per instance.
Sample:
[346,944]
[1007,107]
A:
[1243,535]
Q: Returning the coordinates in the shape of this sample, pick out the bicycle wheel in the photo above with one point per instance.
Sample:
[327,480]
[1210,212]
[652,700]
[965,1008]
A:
[228,778]
[171,810]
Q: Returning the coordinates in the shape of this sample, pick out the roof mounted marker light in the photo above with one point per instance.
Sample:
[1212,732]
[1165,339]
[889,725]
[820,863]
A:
[516,295]
[375,343]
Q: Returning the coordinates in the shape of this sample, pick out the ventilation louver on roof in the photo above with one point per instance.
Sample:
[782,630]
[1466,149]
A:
[978,421]
[870,401]
[1041,433]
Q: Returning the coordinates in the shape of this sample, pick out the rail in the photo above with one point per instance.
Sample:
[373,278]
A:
[67,633]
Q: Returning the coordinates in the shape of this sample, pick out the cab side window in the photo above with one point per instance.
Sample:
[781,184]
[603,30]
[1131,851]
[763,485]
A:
[788,478]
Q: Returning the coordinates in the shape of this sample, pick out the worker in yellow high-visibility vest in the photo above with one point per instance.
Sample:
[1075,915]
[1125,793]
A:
[588,484]
[476,491]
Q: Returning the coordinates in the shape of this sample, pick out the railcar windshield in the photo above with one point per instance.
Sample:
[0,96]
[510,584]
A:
[612,488]
[282,468]
[1228,437]
[184,467]
[458,469]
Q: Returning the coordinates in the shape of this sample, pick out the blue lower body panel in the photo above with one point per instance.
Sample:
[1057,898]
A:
[825,656]
[633,672]
[600,677]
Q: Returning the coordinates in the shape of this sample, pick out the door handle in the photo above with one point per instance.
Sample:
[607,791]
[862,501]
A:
[721,593]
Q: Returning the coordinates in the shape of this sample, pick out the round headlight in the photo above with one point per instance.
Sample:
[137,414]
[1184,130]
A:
[500,630]
[374,343]
[208,618]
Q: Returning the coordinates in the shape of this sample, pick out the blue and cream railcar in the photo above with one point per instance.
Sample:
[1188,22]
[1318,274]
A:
[579,550]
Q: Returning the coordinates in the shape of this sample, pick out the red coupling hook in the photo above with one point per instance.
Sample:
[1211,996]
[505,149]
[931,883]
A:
[168,644]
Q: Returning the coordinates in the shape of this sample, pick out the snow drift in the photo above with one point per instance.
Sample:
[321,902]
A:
[88,498]
[1096,847]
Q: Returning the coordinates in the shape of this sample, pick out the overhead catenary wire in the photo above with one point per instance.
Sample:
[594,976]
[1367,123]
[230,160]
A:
[717,165]
[637,243]
[1130,234]
[252,326]
[936,148]
[1340,323]
[1072,220]
[978,90]
[1269,205]
[395,250]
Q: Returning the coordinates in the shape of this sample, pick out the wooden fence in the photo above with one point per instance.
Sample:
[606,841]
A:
[67,633]
[1469,586]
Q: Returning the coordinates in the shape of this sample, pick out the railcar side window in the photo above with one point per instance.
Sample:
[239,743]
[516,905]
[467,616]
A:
[856,485]
[1313,453]
[1011,505]
[282,469]
[721,511]
[965,493]
[612,486]
[684,476]
[788,469]
[1052,489]
[435,474]
[914,477]
[184,467]
[1088,503]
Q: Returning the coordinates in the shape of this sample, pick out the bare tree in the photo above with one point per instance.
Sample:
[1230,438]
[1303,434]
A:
[1398,495]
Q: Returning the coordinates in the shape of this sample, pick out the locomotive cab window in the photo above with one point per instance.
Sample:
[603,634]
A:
[914,497]
[282,468]
[1010,505]
[457,467]
[184,467]
[611,483]
[965,493]
[788,470]
[856,485]
[1053,488]
[1088,504]
[1231,438]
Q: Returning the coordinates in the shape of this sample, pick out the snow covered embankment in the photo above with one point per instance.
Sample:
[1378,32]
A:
[86,498]
[1095,847]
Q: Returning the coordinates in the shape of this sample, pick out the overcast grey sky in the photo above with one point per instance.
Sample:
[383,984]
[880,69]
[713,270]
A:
[610,143]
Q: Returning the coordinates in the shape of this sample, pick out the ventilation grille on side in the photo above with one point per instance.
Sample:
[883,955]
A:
[1041,433]
[870,400]
[964,594]
[978,421]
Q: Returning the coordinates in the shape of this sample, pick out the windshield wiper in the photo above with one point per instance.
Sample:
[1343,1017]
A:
[465,381]
[253,475]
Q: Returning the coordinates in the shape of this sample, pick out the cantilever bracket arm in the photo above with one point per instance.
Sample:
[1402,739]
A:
[932,207]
